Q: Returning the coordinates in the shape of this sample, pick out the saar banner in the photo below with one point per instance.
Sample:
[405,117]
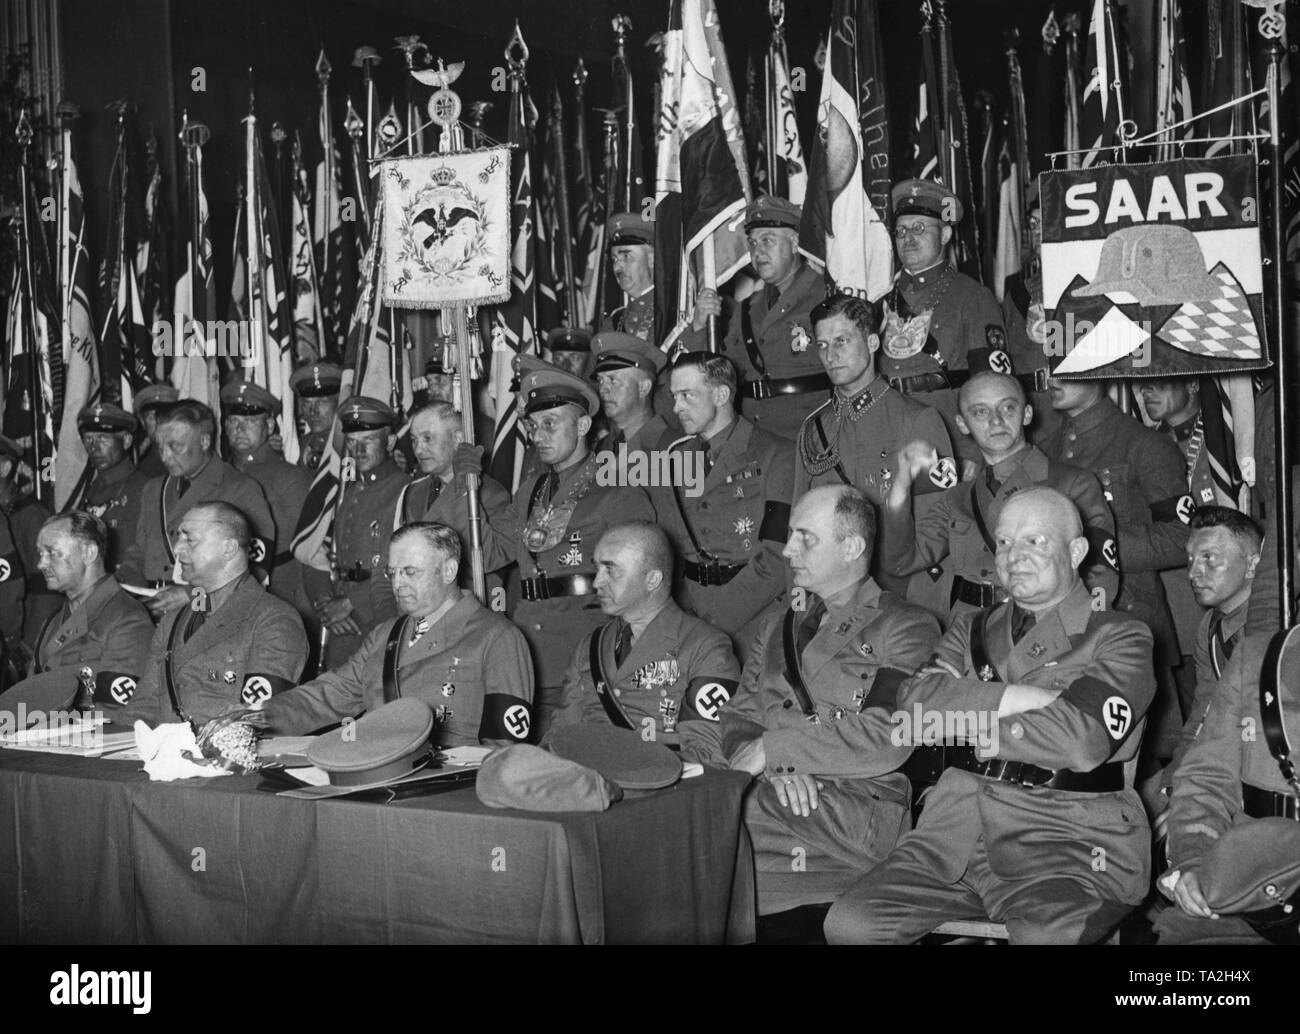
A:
[1153,270]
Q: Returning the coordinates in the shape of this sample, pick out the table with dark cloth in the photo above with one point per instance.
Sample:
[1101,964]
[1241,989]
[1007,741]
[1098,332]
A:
[97,854]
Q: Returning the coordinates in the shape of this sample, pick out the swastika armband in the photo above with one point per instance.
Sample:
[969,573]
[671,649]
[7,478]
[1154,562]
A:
[1176,508]
[1101,548]
[776,522]
[1104,703]
[258,550]
[258,687]
[114,687]
[505,717]
[11,567]
[706,695]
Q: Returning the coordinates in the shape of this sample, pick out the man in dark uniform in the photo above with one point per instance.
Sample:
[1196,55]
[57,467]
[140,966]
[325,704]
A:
[812,717]
[98,641]
[186,436]
[469,665]
[234,643]
[556,518]
[249,414]
[25,601]
[1141,474]
[317,387]
[626,371]
[148,402]
[657,670]
[353,599]
[569,348]
[632,257]
[956,531]
[940,325]
[1034,822]
[112,487]
[769,335]
[728,510]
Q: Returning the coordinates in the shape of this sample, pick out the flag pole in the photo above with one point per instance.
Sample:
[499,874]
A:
[776,11]
[710,263]
[27,279]
[356,129]
[623,26]
[323,72]
[565,242]
[1282,357]
[366,58]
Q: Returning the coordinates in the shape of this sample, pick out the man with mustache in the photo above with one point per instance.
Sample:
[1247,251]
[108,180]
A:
[632,257]
[112,487]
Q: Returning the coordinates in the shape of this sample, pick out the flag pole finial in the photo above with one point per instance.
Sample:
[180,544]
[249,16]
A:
[323,68]
[516,51]
[365,58]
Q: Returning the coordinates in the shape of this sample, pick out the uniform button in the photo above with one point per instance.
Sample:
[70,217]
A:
[779,769]
[865,675]
[618,693]
[1017,731]
[1070,436]
[704,506]
[790,769]
[537,628]
[787,703]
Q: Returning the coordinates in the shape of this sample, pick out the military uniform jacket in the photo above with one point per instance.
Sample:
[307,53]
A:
[677,675]
[552,626]
[1141,474]
[285,486]
[25,602]
[637,317]
[645,438]
[741,517]
[149,557]
[1101,661]
[107,636]
[786,346]
[114,496]
[866,432]
[1207,796]
[852,667]
[949,529]
[471,667]
[251,646]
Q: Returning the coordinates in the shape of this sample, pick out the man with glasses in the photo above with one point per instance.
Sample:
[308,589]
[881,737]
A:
[769,335]
[940,325]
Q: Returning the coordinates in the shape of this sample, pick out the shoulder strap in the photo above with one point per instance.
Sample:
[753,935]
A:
[978,513]
[79,490]
[747,335]
[826,444]
[169,676]
[613,708]
[162,517]
[1270,709]
[794,669]
[979,654]
[392,688]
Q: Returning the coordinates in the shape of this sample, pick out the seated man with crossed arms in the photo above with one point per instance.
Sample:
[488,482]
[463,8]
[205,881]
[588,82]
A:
[653,667]
[469,665]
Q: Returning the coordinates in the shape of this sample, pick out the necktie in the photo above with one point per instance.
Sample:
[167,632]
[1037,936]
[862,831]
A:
[435,489]
[772,295]
[197,617]
[421,627]
[706,454]
[811,622]
[182,486]
[1021,622]
[624,645]
[617,439]
[991,481]
[1219,644]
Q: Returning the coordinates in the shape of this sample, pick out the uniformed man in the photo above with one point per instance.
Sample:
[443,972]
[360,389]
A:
[1141,474]
[186,435]
[25,600]
[353,598]
[1041,787]
[148,402]
[1225,778]
[234,643]
[652,668]
[439,495]
[553,523]
[112,487]
[939,324]
[627,369]
[569,348]
[812,717]
[632,257]
[99,639]
[1026,323]
[855,438]
[469,665]
[249,414]
[317,387]
[769,335]
[726,505]
[956,531]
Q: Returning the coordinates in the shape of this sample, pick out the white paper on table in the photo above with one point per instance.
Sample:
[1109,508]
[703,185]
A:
[140,590]
[466,757]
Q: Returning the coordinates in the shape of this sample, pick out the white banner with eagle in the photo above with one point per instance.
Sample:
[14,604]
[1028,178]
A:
[447,229]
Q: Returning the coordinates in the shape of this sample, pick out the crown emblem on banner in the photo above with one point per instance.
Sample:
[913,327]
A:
[443,175]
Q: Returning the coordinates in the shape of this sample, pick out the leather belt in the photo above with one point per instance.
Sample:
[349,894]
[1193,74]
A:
[712,573]
[1259,803]
[536,589]
[929,381]
[977,594]
[1106,778]
[1036,380]
[767,387]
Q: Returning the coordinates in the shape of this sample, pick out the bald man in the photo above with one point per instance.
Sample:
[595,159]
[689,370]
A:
[233,643]
[956,532]
[811,718]
[652,667]
[1034,822]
